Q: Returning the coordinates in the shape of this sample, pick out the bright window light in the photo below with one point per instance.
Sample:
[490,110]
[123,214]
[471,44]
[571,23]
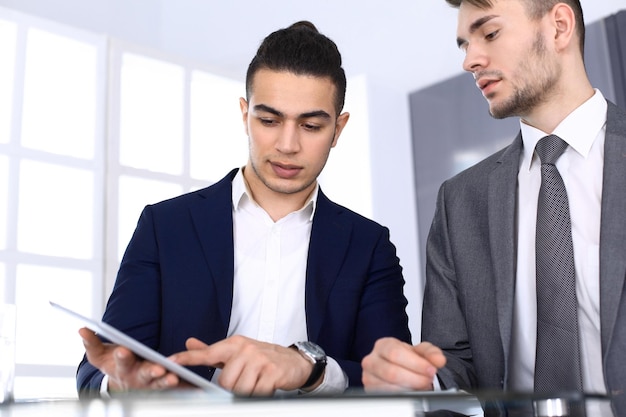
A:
[4,200]
[56,209]
[151,114]
[8,34]
[52,192]
[3,277]
[59,95]
[135,193]
[37,320]
[218,139]
[39,388]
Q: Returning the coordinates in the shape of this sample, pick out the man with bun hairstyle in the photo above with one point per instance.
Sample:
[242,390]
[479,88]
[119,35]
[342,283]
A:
[259,275]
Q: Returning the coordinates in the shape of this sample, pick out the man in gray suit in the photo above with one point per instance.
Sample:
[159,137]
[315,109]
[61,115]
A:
[479,326]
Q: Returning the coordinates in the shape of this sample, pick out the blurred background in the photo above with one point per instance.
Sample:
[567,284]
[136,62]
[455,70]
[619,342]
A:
[109,105]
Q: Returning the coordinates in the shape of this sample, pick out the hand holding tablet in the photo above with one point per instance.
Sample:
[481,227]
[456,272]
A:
[118,337]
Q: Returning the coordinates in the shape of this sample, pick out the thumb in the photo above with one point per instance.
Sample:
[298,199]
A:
[431,353]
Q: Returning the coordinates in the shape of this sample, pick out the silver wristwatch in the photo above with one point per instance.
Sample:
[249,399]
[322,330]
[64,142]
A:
[316,356]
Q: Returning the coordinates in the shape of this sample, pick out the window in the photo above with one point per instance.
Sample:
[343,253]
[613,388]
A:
[51,177]
[176,111]
[8,40]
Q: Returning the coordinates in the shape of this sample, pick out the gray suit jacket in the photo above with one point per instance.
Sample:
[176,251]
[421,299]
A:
[471,263]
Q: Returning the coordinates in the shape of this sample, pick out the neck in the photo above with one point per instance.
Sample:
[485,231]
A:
[570,94]
[276,204]
[547,116]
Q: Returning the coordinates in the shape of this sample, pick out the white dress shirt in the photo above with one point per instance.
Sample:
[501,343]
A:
[270,274]
[581,168]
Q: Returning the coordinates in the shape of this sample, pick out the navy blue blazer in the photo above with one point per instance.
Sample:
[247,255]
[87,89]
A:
[176,281]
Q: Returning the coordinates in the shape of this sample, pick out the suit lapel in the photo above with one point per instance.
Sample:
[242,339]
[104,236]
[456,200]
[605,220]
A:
[501,209]
[613,225]
[213,222]
[329,241]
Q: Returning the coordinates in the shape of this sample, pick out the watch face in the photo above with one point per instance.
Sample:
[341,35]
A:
[313,349]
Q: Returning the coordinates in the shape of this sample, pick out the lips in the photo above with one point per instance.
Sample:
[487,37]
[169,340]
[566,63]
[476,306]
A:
[486,85]
[285,170]
[482,83]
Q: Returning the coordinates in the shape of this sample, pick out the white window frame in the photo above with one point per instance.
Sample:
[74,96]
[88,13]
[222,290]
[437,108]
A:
[11,257]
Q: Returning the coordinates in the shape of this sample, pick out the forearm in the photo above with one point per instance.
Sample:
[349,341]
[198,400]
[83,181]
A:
[88,380]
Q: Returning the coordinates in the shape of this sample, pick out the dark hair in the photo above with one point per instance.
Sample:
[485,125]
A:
[302,50]
[536,9]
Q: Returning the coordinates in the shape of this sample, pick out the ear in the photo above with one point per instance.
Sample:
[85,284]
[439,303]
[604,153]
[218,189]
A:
[564,21]
[243,105]
[339,125]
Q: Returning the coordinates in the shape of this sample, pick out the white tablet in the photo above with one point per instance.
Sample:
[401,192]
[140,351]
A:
[116,336]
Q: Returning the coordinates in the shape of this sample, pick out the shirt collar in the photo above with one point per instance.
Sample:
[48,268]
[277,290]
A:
[242,196]
[579,129]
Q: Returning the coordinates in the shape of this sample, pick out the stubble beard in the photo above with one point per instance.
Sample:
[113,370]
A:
[534,91]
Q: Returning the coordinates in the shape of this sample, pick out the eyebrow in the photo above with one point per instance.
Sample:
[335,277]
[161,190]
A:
[307,115]
[474,27]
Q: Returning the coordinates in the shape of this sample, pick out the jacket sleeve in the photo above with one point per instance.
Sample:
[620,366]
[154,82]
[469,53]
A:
[443,320]
[133,306]
[366,301]
[382,310]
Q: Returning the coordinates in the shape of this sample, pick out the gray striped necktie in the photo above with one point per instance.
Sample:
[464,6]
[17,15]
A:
[557,362]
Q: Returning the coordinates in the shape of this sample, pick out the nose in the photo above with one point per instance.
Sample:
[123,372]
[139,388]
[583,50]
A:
[475,59]
[288,140]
